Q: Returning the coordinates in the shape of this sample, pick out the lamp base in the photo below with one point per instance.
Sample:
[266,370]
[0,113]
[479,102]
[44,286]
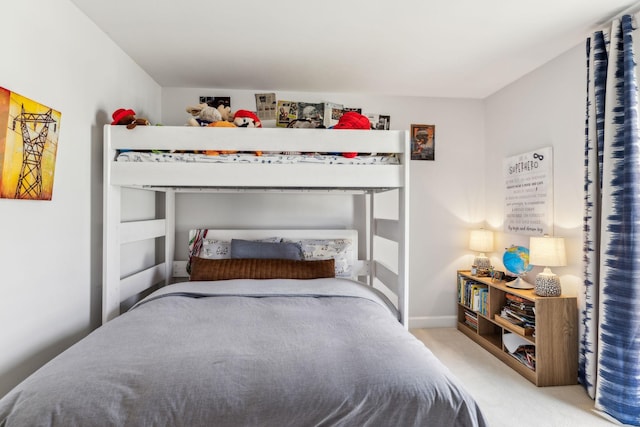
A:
[482,262]
[519,283]
[547,285]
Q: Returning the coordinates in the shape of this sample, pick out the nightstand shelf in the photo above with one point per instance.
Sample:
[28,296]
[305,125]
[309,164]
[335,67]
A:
[550,337]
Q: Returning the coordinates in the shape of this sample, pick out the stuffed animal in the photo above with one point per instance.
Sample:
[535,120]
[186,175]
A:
[203,115]
[127,117]
[246,119]
[352,120]
[225,113]
[220,124]
[224,124]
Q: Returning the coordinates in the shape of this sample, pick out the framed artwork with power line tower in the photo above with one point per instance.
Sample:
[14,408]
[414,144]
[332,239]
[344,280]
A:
[29,134]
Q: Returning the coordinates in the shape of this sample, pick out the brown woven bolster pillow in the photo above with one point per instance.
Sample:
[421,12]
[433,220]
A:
[244,268]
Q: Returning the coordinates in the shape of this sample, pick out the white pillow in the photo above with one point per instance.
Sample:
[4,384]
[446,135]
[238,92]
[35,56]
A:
[338,249]
[215,249]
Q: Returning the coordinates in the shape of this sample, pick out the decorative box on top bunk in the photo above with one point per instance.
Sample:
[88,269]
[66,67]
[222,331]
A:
[257,175]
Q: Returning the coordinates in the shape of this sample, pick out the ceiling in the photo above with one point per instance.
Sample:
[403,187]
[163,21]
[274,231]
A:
[434,48]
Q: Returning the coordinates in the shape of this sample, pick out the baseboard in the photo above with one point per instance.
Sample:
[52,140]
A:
[432,322]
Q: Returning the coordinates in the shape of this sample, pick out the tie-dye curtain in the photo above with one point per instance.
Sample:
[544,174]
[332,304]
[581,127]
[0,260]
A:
[610,318]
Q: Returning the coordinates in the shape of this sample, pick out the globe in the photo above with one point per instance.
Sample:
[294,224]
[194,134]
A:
[516,260]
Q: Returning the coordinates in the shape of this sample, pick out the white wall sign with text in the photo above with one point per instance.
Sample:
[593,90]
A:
[529,193]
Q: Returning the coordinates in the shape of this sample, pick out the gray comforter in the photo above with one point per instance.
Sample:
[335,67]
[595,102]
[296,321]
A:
[323,352]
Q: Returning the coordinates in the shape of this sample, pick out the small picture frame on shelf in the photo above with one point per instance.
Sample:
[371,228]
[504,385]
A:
[483,272]
[498,276]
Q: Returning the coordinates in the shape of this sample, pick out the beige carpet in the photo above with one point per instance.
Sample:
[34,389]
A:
[505,397]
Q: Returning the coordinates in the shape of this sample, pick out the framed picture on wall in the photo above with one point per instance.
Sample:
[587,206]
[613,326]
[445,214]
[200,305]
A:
[423,142]
[28,147]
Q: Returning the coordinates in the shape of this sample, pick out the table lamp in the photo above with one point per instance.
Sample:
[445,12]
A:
[481,241]
[547,252]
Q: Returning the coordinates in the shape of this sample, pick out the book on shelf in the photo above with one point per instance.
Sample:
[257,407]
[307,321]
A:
[473,294]
[517,320]
[526,356]
[471,319]
[461,286]
[525,304]
[521,349]
[519,312]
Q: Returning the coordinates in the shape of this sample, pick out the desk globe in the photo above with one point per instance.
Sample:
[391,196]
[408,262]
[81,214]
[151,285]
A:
[516,261]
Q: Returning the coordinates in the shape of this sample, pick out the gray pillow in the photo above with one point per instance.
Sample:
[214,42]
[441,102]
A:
[265,250]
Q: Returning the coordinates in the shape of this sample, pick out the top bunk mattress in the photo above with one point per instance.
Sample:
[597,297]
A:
[250,158]
[163,156]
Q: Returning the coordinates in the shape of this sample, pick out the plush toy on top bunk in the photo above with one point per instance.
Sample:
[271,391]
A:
[203,115]
[225,112]
[241,118]
[246,119]
[220,124]
[353,120]
[127,117]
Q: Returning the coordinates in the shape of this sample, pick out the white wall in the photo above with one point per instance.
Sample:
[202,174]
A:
[51,251]
[447,195]
[544,108]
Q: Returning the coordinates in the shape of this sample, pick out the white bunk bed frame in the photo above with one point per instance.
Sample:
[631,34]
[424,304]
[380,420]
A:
[170,178]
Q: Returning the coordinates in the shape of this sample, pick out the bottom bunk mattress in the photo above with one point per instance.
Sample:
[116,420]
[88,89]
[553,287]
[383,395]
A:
[247,353]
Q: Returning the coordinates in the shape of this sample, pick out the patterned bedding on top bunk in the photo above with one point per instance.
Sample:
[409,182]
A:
[266,158]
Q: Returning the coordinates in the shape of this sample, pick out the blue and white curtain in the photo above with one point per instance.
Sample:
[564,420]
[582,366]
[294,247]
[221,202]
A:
[609,365]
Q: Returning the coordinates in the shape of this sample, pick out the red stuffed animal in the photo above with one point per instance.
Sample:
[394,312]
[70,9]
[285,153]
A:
[246,119]
[352,120]
[127,117]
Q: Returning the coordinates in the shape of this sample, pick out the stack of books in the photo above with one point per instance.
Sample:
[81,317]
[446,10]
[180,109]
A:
[473,294]
[519,311]
[521,349]
[471,319]
[527,355]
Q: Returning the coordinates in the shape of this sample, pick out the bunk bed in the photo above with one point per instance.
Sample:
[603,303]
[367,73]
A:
[170,178]
[331,349]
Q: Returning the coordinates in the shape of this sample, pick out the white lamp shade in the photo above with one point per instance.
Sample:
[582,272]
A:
[547,251]
[481,240]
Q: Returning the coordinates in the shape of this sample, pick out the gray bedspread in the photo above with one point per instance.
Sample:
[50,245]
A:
[323,352]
